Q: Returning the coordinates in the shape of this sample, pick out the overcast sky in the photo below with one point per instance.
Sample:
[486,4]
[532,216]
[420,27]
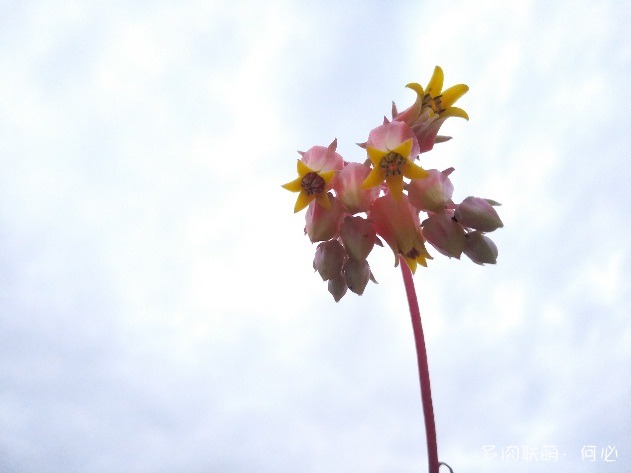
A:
[158,309]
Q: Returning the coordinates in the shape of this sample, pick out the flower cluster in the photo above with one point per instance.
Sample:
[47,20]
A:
[391,189]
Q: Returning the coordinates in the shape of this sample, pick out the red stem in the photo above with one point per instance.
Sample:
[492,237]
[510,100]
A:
[423,369]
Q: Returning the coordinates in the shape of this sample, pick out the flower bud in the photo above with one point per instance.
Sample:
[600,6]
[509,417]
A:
[329,259]
[479,214]
[323,224]
[347,185]
[444,234]
[337,288]
[356,275]
[432,193]
[358,236]
[480,248]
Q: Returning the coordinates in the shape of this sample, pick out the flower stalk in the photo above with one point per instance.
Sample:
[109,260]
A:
[423,370]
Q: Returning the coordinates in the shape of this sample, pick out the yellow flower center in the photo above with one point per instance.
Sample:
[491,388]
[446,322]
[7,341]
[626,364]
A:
[312,183]
[392,164]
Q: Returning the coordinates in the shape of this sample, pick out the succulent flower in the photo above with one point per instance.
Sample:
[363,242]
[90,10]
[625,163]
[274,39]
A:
[352,206]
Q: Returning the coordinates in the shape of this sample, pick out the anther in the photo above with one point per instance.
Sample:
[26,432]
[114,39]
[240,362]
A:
[312,183]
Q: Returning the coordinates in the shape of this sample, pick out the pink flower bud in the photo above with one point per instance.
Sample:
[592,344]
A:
[432,193]
[356,275]
[480,248]
[349,190]
[337,287]
[358,236]
[444,234]
[479,214]
[323,224]
[329,259]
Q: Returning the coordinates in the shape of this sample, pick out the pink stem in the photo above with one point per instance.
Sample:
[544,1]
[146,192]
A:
[423,369]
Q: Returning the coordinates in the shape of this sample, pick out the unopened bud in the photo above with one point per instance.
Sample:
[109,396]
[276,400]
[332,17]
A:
[444,234]
[358,236]
[479,214]
[337,287]
[480,248]
[356,275]
[329,259]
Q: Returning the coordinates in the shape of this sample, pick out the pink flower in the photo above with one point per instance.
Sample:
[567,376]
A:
[392,148]
[324,223]
[431,108]
[348,187]
[398,223]
[316,171]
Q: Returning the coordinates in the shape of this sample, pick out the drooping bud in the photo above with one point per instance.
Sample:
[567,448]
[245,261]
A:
[323,224]
[329,259]
[432,193]
[358,236]
[480,248]
[337,287]
[347,185]
[356,275]
[444,234]
[479,214]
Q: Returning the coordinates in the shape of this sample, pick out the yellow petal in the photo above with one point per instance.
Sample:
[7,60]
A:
[302,201]
[395,184]
[373,179]
[413,171]
[418,88]
[411,264]
[452,94]
[294,186]
[404,148]
[455,112]
[436,82]
[327,176]
[375,155]
[303,169]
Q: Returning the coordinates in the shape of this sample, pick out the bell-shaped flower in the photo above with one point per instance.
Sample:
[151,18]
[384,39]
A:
[398,223]
[323,223]
[316,170]
[358,236]
[433,192]
[480,248]
[479,214]
[431,108]
[391,149]
[329,259]
[349,190]
[444,234]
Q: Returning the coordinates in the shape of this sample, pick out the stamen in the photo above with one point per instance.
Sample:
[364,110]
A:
[312,183]
[392,164]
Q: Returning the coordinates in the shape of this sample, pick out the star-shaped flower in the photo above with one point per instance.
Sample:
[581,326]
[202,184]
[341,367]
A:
[312,185]
[391,149]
